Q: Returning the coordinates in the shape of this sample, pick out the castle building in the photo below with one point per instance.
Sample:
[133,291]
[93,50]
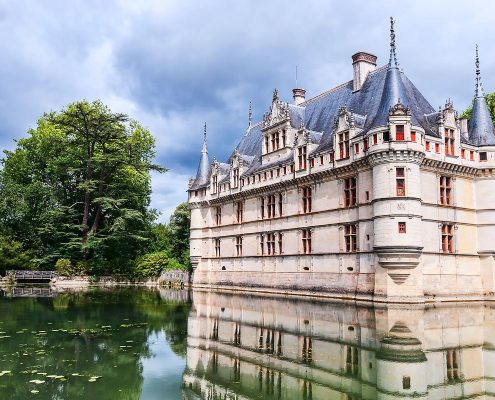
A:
[362,192]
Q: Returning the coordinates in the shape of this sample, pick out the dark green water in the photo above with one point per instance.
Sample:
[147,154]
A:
[103,344]
[166,344]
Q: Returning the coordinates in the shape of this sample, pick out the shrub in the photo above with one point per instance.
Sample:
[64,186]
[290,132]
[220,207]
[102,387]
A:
[64,267]
[153,264]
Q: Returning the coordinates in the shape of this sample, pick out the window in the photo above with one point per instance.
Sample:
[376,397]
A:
[235,174]
[280,243]
[217,247]
[321,160]
[343,144]
[406,382]
[449,142]
[375,138]
[400,179]
[285,170]
[331,157]
[278,172]
[271,174]
[270,206]
[402,227]
[447,239]
[312,163]
[352,360]
[262,207]
[292,168]
[270,244]
[307,356]
[218,215]
[301,157]
[350,236]
[471,155]
[306,241]
[284,138]
[437,148]
[262,244]
[214,184]
[463,153]
[413,136]
[267,141]
[452,365]
[238,246]
[399,133]
[427,146]
[446,190]
[239,210]
[280,204]
[386,136]
[356,148]
[483,156]
[350,192]
[365,144]
[306,198]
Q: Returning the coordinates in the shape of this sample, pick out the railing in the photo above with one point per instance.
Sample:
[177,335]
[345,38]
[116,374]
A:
[25,275]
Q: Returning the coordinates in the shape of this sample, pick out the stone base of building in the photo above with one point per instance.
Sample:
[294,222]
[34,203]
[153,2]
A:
[378,287]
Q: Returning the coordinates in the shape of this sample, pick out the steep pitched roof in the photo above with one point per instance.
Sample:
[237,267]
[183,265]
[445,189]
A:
[480,126]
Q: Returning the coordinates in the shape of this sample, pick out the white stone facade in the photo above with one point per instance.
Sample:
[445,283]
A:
[395,205]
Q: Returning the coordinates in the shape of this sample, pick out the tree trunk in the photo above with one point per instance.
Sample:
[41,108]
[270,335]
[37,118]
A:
[96,222]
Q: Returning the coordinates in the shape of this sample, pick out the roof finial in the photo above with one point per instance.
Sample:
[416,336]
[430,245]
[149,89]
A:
[393,55]
[204,139]
[479,88]
[250,113]
[275,95]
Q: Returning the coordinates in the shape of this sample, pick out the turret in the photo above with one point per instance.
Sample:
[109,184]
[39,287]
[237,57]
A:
[396,191]
[480,126]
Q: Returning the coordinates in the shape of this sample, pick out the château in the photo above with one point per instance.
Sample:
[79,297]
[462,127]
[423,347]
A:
[363,192]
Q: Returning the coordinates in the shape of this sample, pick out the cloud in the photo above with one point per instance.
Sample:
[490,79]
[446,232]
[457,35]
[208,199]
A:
[173,65]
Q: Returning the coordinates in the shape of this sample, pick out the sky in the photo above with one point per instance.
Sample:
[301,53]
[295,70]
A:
[174,65]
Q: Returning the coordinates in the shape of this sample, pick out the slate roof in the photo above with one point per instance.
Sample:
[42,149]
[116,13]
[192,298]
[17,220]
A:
[383,88]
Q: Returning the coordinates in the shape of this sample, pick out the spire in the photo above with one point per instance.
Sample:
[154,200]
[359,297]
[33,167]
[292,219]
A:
[480,126]
[204,163]
[392,62]
[479,88]
[204,149]
[250,113]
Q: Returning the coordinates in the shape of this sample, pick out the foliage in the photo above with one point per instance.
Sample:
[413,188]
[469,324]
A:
[64,267]
[490,101]
[153,264]
[79,188]
[13,255]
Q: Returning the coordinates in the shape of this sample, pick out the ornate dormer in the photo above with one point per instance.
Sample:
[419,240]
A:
[214,177]
[345,127]
[449,128]
[278,113]
[399,117]
[276,130]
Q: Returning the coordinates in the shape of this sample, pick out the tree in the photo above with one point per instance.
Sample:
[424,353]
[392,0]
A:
[179,226]
[79,186]
[490,101]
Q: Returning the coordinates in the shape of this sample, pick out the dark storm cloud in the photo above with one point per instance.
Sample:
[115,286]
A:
[174,64]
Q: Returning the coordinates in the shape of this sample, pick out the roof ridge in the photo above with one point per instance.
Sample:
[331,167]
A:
[329,91]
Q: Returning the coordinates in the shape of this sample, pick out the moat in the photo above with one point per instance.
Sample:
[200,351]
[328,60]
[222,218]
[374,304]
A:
[132,343]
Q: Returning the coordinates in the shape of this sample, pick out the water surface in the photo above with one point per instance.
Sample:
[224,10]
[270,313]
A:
[130,343]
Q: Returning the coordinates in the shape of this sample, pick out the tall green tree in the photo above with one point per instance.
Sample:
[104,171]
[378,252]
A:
[79,186]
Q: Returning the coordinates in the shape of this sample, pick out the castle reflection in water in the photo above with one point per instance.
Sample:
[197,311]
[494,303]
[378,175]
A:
[253,347]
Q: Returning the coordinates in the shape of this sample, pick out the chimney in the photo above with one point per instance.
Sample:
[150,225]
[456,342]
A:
[299,96]
[362,64]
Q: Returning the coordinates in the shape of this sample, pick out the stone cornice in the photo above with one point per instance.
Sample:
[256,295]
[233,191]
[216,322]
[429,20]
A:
[389,155]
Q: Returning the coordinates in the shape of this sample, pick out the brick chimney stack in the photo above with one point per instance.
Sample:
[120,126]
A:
[362,63]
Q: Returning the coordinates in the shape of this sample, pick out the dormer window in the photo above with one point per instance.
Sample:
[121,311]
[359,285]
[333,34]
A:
[235,176]
[386,136]
[214,184]
[483,156]
[399,133]
[413,136]
[449,142]
[343,144]
[301,157]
